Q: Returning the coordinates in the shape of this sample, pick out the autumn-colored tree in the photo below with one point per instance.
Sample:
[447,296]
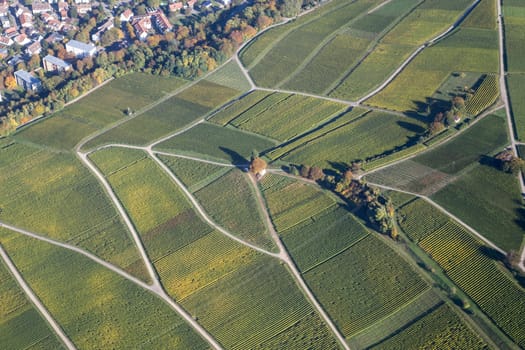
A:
[305,170]
[263,21]
[257,165]
[315,173]
[10,82]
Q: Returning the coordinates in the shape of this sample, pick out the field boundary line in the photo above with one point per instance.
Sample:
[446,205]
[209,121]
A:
[35,301]
[426,44]
[446,212]
[202,212]
[285,257]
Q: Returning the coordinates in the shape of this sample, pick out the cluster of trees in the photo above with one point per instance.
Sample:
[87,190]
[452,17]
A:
[196,45]
[449,117]
[509,163]
[379,210]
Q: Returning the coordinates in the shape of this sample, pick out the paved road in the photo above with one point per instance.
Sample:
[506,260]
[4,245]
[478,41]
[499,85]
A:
[504,95]
[36,302]
[285,257]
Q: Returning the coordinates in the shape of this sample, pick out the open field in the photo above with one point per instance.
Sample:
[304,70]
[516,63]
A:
[413,88]
[182,109]
[357,289]
[322,236]
[419,219]
[149,196]
[474,267]
[488,200]
[95,307]
[231,202]
[439,329]
[291,202]
[253,304]
[289,52]
[215,142]
[365,138]
[21,326]
[193,174]
[517,99]
[100,108]
[224,116]
[514,26]
[297,114]
[478,17]
[53,195]
[230,75]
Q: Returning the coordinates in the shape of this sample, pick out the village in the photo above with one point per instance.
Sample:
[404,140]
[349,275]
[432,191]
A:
[28,26]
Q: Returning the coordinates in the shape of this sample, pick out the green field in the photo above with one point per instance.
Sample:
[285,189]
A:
[474,268]
[95,307]
[149,196]
[297,114]
[224,116]
[53,195]
[21,326]
[364,138]
[230,75]
[290,201]
[230,201]
[99,109]
[514,26]
[488,200]
[290,51]
[193,174]
[357,288]
[255,303]
[170,115]
[322,236]
[215,142]
[468,49]
[517,99]
[418,219]
[439,329]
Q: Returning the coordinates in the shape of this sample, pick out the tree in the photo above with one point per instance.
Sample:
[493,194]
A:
[257,165]
[290,8]
[315,173]
[512,259]
[10,82]
[305,170]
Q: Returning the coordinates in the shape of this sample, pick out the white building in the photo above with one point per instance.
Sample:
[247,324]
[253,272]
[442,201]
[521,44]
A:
[80,49]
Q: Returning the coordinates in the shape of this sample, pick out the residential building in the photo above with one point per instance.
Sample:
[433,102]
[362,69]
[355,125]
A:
[175,6]
[40,7]
[34,48]
[126,16]
[22,39]
[82,1]
[102,28]
[6,41]
[80,49]
[26,20]
[82,8]
[55,64]
[6,23]
[142,27]
[162,22]
[27,81]
[4,9]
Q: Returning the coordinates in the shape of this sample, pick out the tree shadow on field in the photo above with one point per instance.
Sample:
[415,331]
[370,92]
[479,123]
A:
[491,253]
[417,129]
[426,110]
[236,158]
[339,166]
[520,221]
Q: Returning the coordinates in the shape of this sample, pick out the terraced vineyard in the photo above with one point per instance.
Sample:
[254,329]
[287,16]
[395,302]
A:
[139,217]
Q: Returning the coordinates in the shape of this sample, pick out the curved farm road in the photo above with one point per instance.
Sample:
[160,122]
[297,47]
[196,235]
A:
[152,288]
[285,257]
[36,302]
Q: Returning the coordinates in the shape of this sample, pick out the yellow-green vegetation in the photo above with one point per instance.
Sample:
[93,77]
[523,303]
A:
[475,268]
[201,263]
[478,18]
[418,219]
[170,115]
[193,174]
[296,114]
[322,236]
[253,304]
[225,115]
[114,159]
[396,322]
[230,75]
[514,26]
[211,141]
[98,109]
[364,284]
[468,49]
[96,307]
[440,329]
[292,50]
[485,95]
[517,99]
[149,196]
[53,195]
[368,138]
[21,326]
[291,201]
[230,201]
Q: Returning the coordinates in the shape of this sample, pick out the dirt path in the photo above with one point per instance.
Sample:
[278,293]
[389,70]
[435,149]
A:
[36,302]
[505,97]
[285,257]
